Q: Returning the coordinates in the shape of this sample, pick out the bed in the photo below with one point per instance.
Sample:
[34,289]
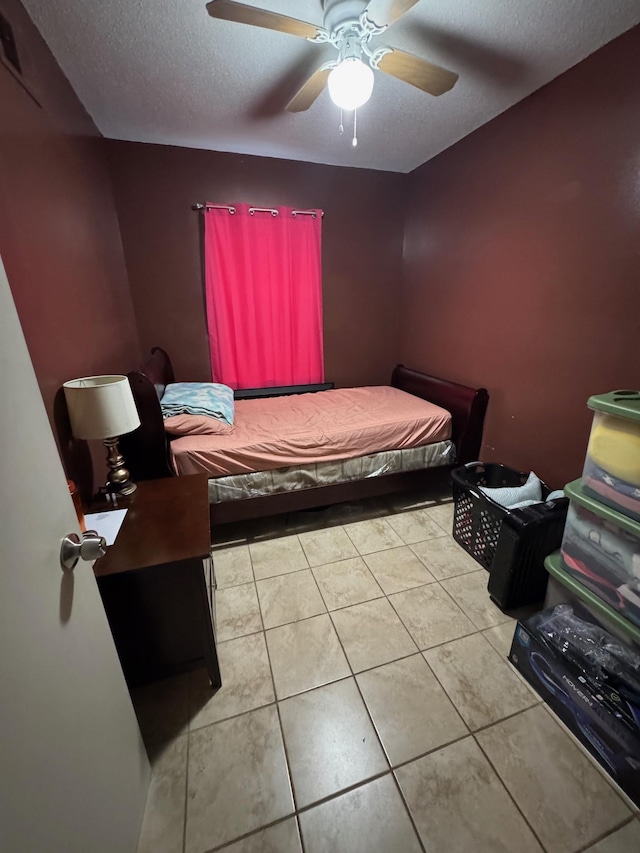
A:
[274,478]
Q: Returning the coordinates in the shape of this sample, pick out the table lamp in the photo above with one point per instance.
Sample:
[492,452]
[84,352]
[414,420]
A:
[102,407]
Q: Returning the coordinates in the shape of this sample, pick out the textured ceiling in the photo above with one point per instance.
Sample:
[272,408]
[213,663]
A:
[163,71]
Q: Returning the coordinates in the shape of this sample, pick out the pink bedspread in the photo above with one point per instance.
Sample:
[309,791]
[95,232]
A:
[327,426]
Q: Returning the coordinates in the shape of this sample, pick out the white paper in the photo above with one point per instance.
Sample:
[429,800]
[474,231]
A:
[106,524]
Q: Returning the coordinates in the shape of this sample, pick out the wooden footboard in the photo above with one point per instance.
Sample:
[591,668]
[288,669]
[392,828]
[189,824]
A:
[147,451]
[467,406]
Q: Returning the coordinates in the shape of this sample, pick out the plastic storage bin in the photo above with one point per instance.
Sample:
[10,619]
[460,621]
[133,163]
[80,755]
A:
[601,549]
[612,468]
[564,588]
[511,544]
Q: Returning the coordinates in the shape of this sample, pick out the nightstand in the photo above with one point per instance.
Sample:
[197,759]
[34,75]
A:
[157,581]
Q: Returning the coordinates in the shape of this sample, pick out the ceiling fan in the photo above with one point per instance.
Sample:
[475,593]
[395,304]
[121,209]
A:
[350,26]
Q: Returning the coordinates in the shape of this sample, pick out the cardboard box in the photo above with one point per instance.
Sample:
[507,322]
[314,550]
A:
[599,715]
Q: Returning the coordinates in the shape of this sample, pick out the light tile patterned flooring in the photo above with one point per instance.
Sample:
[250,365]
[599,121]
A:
[367,706]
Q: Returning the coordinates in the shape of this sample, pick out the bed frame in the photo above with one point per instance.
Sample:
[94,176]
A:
[147,450]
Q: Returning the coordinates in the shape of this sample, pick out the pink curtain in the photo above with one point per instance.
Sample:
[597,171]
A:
[263,280]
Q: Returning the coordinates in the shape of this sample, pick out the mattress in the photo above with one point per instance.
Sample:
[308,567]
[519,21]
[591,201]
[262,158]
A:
[328,426]
[296,478]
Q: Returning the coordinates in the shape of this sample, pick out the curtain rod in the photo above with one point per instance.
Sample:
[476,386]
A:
[210,206]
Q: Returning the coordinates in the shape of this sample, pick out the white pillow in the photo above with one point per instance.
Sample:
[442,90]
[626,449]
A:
[523,504]
[507,496]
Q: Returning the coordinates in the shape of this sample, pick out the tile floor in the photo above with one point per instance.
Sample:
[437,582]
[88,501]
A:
[367,706]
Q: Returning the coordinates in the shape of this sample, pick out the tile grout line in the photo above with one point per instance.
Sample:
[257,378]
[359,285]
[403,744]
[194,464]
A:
[241,636]
[418,651]
[460,607]
[358,554]
[295,815]
[370,513]
[344,606]
[279,716]
[600,838]
[355,673]
[224,589]
[396,611]
[226,844]
[353,787]
[391,769]
[393,774]
[475,630]
[246,835]
[484,728]
[504,784]
[362,699]
[320,590]
[234,716]
[318,530]
[294,621]
[428,752]
[469,733]
[408,810]
[362,557]
[443,688]
[615,786]
[509,669]
[379,737]
[315,580]
[294,797]
[186,773]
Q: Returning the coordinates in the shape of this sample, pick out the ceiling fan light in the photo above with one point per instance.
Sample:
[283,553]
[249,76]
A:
[350,84]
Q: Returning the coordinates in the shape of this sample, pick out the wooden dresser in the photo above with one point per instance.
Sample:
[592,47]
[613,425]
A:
[157,581]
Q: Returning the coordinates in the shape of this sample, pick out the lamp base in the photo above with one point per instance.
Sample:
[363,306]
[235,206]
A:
[119,480]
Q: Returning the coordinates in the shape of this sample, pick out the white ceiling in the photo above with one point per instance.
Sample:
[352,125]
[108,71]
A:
[163,71]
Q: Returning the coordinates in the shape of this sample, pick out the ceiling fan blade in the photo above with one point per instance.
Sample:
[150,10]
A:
[418,72]
[385,12]
[228,10]
[311,89]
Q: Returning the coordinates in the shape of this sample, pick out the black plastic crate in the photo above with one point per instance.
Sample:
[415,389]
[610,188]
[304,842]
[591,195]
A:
[510,544]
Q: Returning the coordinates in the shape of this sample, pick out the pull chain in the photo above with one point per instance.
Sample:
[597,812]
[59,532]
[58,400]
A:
[341,127]
[354,141]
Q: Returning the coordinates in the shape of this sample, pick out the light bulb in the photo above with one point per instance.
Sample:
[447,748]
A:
[350,83]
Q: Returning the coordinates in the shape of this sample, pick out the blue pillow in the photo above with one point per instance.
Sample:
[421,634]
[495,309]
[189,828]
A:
[198,398]
[508,496]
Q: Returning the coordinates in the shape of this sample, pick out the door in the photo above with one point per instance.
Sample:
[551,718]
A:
[73,770]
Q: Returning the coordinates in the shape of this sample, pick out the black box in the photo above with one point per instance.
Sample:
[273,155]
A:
[528,535]
[595,712]
[510,543]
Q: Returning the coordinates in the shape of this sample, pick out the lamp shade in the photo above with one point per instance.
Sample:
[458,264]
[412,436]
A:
[101,406]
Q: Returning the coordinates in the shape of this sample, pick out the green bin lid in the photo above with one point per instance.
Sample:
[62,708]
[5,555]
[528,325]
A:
[623,404]
[576,493]
[553,564]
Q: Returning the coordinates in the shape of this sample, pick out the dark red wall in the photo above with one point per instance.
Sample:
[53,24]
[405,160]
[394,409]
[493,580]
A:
[522,261]
[59,236]
[521,249]
[362,248]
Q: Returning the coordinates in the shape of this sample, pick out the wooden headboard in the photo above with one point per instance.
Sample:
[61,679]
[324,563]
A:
[146,450]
